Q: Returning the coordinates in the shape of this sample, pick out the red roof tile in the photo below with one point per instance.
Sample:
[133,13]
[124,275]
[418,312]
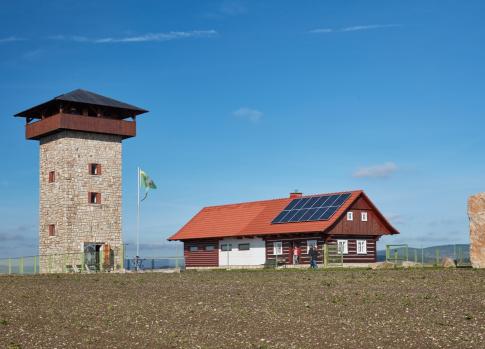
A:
[254,218]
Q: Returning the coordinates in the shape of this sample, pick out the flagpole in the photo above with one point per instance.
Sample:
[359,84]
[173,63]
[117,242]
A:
[138,213]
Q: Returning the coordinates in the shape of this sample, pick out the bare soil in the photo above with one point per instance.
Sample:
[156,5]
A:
[432,308]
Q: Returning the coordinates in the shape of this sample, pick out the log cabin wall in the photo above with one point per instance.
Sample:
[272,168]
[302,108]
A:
[352,256]
[301,240]
[206,255]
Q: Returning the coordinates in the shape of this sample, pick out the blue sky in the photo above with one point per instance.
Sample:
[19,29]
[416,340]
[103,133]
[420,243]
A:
[249,100]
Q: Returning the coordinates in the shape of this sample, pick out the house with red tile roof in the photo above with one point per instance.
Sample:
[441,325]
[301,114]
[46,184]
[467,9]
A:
[259,232]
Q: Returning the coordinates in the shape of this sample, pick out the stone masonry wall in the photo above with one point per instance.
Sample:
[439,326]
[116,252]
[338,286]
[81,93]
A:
[476,213]
[65,202]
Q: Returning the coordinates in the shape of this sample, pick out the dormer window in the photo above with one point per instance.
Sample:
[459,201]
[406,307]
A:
[94,198]
[95,169]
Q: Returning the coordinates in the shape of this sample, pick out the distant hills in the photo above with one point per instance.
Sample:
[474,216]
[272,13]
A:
[459,251]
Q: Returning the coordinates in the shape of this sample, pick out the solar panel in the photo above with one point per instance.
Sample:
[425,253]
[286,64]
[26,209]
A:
[314,208]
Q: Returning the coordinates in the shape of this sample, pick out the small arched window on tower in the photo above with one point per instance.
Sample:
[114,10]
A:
[52,230]
[95,169]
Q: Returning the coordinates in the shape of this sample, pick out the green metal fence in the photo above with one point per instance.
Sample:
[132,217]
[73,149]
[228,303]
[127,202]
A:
[21,265]
[397,253]
[430,256]
[85,263]
[332,257]
[155,263]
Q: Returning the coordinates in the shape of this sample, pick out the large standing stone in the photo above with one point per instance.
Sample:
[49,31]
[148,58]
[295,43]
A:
[476,214]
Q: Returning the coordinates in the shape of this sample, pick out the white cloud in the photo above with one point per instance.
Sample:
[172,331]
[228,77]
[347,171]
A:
[444,222]
[252,115]
[18,233]
[32,54]
[352,28]
[233,8]
[227,8]
[75,38]
[10,39]
[168,36]
[376,171]
[368,27]
[396,219]
[321,31]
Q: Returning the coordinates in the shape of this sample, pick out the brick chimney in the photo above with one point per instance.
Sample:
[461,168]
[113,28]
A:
[295,194]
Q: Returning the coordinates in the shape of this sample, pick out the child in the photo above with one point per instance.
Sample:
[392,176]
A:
[295,254]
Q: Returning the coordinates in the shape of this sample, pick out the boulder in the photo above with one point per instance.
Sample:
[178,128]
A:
[448,262]
[409,264]
[383,265]
[476,214]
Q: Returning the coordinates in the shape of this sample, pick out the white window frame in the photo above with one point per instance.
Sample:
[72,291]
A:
[350,216]
[361,246]
[345,244]
[363,216]
[277,248]
[310,243]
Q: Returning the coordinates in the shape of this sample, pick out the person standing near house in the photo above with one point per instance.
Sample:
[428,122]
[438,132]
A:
[313,257]
[290,254]
[296,254]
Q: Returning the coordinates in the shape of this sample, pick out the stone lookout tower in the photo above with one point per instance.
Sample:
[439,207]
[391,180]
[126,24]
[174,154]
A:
[80,135]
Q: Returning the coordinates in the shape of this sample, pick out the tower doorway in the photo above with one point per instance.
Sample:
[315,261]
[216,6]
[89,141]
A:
[92,255]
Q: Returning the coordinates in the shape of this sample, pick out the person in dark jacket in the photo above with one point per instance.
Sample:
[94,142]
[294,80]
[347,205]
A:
[313,257]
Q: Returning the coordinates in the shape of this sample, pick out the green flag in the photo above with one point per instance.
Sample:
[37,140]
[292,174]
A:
[147,183]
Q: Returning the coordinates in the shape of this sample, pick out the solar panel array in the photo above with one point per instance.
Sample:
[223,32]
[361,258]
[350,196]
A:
[313,208]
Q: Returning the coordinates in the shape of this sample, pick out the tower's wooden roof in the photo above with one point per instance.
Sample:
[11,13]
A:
[80,96]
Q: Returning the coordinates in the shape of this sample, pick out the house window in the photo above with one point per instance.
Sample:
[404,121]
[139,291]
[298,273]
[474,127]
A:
[310,243]
[363,216]
[243,247]
[350,216]
[52,230]
[277,248]
[94,198]
[342,246]
[94,169]
[193,248]
[361,246]
[226,247]
[210,248]
[52,176]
